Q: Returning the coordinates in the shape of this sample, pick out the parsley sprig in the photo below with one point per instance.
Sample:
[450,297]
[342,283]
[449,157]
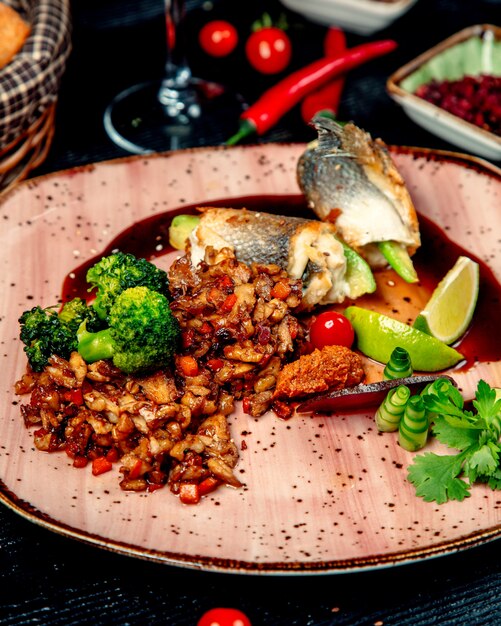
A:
[476,436]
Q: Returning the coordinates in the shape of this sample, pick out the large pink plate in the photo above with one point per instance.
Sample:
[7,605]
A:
[321,494]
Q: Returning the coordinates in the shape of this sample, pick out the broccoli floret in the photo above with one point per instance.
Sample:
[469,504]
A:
[120,271]
[45,332]
[76,311]
[142,335]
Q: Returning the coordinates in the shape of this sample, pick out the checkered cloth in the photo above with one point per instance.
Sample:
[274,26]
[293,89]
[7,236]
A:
[30,82]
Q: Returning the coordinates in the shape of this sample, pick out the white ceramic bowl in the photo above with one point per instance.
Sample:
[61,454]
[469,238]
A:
[472,51]
[363,17]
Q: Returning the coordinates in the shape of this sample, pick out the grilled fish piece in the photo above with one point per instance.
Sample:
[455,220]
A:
[350,180]
[306,249]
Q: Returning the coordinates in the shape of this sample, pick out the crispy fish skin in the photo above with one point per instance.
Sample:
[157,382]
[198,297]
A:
[306,249]
[257,237]
[350,179]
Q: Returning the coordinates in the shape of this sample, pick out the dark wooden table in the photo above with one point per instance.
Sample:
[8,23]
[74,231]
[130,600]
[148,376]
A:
[49,579]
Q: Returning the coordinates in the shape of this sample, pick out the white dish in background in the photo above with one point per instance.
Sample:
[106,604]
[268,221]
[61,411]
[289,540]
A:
[363,17]
[457,56]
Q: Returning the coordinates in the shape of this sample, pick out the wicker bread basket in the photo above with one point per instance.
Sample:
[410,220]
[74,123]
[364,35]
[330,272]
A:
[29,87]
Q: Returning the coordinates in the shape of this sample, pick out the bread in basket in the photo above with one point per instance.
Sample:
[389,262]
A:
[29,86]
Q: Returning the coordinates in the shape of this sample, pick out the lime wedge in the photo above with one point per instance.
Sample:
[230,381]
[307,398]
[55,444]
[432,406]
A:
[448,313]
[377,335]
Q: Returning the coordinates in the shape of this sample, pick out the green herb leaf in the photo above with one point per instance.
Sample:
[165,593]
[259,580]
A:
[442,405]
[456,434]
[436,477]
[488,407]
[494,481]
[482,463]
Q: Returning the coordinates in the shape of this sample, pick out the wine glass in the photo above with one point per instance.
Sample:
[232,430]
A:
[176,111]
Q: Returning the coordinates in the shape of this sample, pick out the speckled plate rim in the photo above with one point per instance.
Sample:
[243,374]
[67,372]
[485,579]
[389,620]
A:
[228,566]
[211,564]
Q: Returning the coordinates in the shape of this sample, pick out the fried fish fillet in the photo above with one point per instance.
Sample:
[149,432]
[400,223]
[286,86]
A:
[350,180]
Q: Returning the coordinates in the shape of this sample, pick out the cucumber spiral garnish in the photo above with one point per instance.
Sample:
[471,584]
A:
[392,409]
[399,365]
[413,427]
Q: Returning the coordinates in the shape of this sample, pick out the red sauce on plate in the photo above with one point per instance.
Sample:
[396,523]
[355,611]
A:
[149,238]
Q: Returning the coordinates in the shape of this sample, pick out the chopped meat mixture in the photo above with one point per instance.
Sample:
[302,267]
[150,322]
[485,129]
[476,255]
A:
[332,368]
[169,428]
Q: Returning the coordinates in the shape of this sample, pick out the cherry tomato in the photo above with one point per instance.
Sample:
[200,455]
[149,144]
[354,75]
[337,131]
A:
[224,617]
[218,38]
[331,328]
[268,50]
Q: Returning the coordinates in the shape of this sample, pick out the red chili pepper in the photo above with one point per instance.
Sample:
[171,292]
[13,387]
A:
[275,102]
[325,100]
[101,465]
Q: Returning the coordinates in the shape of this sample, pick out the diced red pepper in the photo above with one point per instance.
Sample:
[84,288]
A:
[188,365]
[192,459]
[246,405]
[80,461]
[208,485]
[189,493]
[206,328]
[71,450]
[101,465]
[112,455]
[155,486]
[75,396]
[135,472]
[187,338]
[265,360]
[225,282]
[228,303]
[215,364]
[281,290]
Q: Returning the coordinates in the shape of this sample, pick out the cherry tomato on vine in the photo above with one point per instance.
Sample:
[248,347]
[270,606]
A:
[224,617]
[218,38]
[331,328]
[268,50]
